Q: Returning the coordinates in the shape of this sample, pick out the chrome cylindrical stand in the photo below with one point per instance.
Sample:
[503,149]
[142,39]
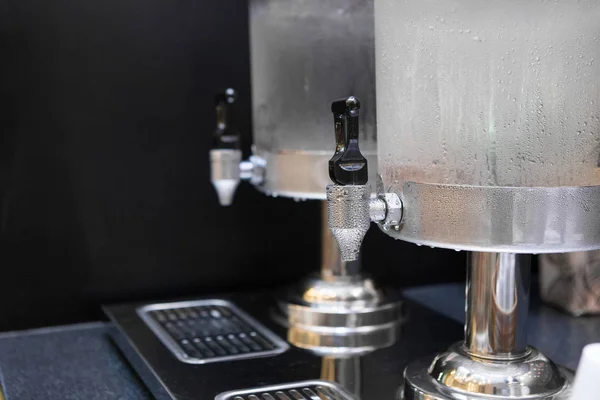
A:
[345,371]
[497,305]
[494,360]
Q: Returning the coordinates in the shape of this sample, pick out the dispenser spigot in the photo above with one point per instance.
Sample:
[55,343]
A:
[348,198]
[225,137]
[347,166]
[227,167]
[350,208]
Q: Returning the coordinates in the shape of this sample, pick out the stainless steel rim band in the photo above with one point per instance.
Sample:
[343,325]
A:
[301,174]
[501,219]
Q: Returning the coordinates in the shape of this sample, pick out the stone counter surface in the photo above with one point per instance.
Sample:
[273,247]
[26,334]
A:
[73,362]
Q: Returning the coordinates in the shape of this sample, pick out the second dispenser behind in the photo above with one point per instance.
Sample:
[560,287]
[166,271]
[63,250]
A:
[303,54]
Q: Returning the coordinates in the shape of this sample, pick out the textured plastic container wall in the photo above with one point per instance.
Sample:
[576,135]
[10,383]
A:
[305,54]
[489,93]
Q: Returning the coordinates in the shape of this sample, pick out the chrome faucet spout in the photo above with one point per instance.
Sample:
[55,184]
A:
[351,208]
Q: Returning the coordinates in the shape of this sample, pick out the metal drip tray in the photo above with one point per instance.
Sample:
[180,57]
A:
[371,376]
[204,331]
[309,390]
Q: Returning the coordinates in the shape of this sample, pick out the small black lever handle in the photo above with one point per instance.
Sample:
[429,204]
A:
[347,166]
[225,136]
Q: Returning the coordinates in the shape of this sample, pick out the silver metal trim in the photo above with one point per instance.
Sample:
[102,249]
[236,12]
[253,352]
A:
[343,322]
[173,346]
[301,175]
[342,342]
[287,386]
[508,219]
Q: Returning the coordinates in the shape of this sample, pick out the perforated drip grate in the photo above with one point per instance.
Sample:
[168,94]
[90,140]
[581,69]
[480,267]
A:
[209,331]
[311,390]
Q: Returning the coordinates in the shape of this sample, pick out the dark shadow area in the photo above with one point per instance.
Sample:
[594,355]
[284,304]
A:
[106,122]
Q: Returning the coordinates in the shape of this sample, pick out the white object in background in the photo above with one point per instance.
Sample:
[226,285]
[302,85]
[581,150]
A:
[587,379]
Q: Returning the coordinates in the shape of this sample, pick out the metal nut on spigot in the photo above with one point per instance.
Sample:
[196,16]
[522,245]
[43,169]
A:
[394,211]
[386,209]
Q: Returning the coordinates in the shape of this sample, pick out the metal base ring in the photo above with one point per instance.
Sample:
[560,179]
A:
[345,318]
[455,375]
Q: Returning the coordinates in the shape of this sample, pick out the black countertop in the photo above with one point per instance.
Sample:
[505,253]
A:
[81,361]
[74,362]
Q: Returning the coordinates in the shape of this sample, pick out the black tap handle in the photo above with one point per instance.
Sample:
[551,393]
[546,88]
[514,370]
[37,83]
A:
[225,136]
[347,166]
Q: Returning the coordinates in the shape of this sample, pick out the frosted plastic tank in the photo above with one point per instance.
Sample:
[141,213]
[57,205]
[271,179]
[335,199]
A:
[304,55]
[490,111]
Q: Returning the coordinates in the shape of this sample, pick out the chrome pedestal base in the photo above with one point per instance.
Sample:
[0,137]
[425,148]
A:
[345,316]
[455,375]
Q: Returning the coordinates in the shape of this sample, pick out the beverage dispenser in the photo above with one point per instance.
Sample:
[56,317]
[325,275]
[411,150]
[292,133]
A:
[303,53]
[488,124]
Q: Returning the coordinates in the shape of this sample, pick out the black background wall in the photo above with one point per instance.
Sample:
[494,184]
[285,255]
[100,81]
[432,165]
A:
[106,116]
